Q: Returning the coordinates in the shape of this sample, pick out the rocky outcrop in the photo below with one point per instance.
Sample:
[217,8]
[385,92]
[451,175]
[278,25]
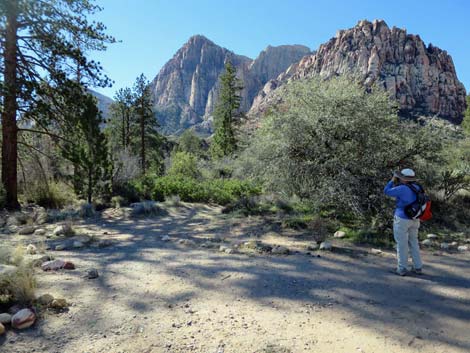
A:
[186,88]
[422,79]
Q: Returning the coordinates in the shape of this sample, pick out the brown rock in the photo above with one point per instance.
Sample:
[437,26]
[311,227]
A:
[45,299]
[23,319]
[2,329]
[59,304]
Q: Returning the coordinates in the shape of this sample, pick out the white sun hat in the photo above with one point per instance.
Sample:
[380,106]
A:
[406,174]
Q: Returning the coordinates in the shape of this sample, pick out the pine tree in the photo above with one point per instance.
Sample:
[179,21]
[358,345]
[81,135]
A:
[224,142]
[87,150]
[118,127]
[41,43]
[146,136]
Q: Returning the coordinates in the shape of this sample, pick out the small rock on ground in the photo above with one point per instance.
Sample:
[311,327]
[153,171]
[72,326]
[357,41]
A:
[27,230]
[431,236]
[339,234]
[23,319]
[462,248]
[45,299]
[326,245]
[92,273]
[5,318]
[427,242]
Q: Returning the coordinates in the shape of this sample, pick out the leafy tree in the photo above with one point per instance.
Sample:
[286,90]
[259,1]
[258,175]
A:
[147,138]
[334,143]
[88,153]
[224,142]
[191,143]
[42,43]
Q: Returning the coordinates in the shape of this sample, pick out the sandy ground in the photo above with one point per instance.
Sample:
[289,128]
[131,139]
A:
[163,296]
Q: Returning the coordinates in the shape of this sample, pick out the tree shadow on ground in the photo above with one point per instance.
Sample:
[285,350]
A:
[361,286]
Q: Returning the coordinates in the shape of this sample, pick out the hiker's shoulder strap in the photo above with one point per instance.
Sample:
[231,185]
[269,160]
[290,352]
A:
[414,189]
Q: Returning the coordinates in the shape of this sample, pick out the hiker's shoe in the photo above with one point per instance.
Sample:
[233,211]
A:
[400,272]
[418,271]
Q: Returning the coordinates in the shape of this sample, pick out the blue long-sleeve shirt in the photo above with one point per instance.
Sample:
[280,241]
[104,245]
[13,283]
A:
[404,196]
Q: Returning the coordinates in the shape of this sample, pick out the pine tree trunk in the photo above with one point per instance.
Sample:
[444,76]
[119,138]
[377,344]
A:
[90,186]
[9,127]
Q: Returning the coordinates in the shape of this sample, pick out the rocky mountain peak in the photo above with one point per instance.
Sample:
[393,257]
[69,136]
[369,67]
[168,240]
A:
[422,79]
[186,88]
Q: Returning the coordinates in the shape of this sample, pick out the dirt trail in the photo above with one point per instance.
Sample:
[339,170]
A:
[163,296]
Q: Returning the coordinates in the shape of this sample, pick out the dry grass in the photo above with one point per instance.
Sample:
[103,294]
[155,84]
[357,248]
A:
[19,284]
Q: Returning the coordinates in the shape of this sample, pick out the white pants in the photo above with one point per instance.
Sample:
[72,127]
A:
[405,232]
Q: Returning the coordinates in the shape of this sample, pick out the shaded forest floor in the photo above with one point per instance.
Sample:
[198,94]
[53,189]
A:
[158,294]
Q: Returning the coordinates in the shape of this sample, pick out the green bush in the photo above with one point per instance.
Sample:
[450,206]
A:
[336,144]
[184,164]
[144,186]
[220,191]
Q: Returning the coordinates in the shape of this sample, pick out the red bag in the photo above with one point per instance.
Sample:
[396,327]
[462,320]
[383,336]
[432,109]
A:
[427,214]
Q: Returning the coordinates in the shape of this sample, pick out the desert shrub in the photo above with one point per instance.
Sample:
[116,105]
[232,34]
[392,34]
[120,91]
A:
[220,191]
[50,195]
[87,210]
[18,284]
[184,164]
[119,201]
[336,143]
[146,208]
[173,200]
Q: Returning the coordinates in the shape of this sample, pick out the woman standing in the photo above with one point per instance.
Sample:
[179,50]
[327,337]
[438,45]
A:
[405,230]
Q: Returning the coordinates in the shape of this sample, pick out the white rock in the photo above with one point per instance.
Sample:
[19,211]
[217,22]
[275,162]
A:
[60,247]
[376,251]
[431,236]
[454,244]
[222,248]
[59,230]
[78,244]
[5,318]
[166,238]
[53,265]
[23,319]
[326,245]
[229,251]
[445,246]
[462,248]
[40,231]
[340,234]
[427,242]
[31,249]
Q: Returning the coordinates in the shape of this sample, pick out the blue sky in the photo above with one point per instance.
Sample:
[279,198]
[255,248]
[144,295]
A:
[152,31]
